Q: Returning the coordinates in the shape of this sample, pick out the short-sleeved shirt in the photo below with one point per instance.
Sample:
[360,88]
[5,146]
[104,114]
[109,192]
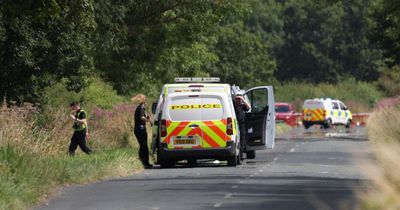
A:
[139,113]
[80,114]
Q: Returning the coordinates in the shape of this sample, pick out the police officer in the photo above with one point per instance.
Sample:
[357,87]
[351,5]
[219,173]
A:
[241,107]
[140,129]
[80,127]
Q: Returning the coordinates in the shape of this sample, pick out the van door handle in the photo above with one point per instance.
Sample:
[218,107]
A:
[193,126]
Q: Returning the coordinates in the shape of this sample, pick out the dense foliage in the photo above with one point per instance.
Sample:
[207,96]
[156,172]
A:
[138,45]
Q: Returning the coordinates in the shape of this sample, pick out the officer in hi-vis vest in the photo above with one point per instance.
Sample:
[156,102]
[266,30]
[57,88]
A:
[80,127]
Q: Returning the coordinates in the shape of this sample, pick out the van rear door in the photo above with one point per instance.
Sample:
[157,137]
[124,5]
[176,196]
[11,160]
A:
[196,121]
[260,120]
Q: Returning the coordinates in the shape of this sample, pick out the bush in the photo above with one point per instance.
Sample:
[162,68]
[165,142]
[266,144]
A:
[384,134]
[359,96]
[97,94]
[389,81]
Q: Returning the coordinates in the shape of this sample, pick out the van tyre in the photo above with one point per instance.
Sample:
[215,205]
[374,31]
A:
[232,161]
[348,124]
[328,124]
[166,164]
[251,154]
[192,162]
[307,126]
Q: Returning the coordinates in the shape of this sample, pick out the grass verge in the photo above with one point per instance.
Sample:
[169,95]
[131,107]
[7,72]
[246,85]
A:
[281,128]
[26,179]
[384,134]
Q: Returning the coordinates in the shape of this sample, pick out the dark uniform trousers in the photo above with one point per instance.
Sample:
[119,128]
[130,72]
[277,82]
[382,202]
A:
[79,138]
[141,136]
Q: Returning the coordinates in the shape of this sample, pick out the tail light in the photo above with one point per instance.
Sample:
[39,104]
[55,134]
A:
[163,128]
[229,126]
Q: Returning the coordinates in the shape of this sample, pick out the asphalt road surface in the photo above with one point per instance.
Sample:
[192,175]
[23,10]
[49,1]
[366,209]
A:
[308,169]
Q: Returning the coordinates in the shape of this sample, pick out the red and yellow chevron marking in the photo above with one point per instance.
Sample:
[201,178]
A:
[313,114]
[211,134]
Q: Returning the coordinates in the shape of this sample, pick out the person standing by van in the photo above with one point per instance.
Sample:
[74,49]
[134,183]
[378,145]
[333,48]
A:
[141,118]
[241,107]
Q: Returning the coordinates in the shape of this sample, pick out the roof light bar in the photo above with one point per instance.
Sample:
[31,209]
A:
[197,79]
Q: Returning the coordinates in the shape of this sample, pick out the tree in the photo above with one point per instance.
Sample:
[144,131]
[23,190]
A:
[44,41]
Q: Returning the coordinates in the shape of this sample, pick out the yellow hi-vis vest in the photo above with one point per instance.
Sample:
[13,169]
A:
[78,126]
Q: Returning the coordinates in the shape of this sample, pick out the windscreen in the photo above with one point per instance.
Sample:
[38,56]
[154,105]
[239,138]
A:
[282,109]
[187,108]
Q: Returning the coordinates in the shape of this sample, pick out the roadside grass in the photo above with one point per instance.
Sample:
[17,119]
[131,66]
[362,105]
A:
[281,128]
[359,96]
[27,179]
[33,152]
[384,134]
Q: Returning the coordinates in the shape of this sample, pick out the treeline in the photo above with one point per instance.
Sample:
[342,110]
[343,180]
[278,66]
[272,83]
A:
[138,45]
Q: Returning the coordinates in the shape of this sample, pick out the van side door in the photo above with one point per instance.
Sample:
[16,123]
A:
[260,120]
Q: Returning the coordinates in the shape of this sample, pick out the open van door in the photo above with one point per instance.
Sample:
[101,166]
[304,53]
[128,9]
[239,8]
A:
[260,120]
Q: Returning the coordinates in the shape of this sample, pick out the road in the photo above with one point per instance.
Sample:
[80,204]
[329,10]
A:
[313,169]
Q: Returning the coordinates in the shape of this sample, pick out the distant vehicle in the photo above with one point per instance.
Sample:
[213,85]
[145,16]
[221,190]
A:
[325,112]
[285,112]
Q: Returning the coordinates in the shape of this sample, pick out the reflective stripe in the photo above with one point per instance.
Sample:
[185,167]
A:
[81,127]
[313,114]
[211,134]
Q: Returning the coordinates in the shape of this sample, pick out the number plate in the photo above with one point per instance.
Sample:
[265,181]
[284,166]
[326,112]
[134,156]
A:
[185,141]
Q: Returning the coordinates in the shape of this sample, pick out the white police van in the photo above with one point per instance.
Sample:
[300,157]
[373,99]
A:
[325,112]
[196,120]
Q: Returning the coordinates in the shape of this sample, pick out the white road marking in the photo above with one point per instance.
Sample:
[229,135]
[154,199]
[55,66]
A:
[240,182]
[260,170]
[235,187]
[217,205]
[229,195]
[323,172]
[275,159]
[156,208]
[292,150]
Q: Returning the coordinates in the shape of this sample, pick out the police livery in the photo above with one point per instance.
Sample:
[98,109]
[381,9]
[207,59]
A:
[325,112]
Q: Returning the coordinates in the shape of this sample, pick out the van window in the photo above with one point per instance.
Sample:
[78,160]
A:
[335,105]
[195,109]
[342,106]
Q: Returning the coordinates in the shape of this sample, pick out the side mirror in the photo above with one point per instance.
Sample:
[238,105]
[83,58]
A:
[154,107]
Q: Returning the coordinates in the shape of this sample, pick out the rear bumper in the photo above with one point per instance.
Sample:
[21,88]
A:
[210,153]
[321,122]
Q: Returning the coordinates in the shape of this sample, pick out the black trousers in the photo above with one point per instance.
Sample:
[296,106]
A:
[79,138]
[141,136]
[242,129]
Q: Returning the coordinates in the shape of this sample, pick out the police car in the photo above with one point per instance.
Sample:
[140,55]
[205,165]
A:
[325,112]
[196,120]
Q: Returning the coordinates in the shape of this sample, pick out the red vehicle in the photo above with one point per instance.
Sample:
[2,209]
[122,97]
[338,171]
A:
[285,112]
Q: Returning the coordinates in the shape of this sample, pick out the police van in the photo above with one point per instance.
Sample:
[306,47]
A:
[196,120]
[325,112]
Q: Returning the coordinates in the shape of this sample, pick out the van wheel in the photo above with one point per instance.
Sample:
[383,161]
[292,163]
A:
[232,161]
[251,154]
[192,162]
[166,164]
[307,126]
[328,124]
[348,124]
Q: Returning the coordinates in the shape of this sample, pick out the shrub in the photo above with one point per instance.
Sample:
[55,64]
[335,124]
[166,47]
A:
[384,133]
[359,96]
